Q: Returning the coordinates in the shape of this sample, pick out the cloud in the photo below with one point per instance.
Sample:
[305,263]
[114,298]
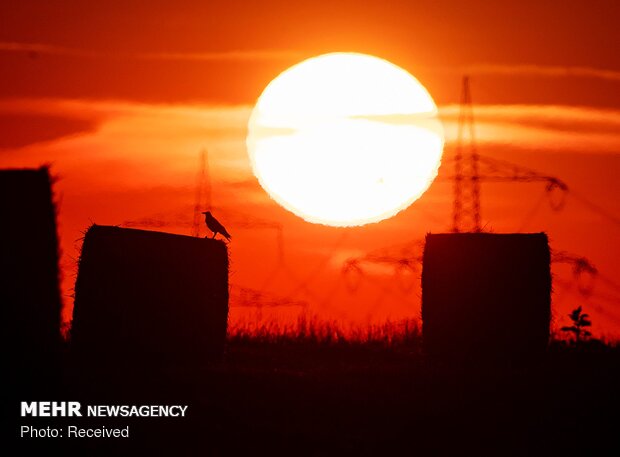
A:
[543,71]
[40,48]
[537,127]
[548,71]
[135,132]
[549,127]
[249,55]
[23,129]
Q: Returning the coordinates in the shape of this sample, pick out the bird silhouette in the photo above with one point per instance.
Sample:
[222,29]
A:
[214,225]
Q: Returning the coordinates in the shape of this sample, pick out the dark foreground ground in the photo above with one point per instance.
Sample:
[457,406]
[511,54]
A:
[290,397]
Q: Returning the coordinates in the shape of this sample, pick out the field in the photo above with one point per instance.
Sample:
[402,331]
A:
[287,392]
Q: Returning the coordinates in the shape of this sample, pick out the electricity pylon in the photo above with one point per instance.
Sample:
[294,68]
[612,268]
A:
[471,169]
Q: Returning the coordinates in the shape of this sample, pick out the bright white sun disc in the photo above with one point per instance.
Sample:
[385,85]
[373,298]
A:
[345,139]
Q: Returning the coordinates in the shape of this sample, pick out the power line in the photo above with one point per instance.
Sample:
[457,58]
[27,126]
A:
[530,215]
[596,208]
[319,267]
[610,282]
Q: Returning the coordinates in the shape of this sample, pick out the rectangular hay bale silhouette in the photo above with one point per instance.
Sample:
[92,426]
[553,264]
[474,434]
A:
[29,279]
[486,297]
[150,299]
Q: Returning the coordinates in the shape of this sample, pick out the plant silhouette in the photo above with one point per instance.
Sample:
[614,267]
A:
[580,322]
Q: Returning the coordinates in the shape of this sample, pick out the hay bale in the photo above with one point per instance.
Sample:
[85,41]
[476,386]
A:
[486,297]
[148,299]
[29,289]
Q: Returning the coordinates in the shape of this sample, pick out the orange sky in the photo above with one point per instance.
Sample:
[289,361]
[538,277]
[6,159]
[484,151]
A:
[121,99]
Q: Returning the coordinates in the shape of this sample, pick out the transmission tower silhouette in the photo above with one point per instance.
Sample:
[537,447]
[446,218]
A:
[466,205]
[203,192]
[471,169]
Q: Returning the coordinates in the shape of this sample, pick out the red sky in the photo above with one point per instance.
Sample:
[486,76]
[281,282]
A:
[121,97]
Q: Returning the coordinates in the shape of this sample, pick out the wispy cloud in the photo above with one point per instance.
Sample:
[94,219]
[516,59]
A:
[549,71]
[542,71]
[247,55]
[160,127]
[213,56]
[549,127]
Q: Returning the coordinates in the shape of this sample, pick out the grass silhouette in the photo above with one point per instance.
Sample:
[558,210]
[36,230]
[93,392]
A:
[314,330]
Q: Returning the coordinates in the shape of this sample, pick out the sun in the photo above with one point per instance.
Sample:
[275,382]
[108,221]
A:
[345,139]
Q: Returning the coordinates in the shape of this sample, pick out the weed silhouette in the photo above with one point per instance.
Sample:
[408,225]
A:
[580,320]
